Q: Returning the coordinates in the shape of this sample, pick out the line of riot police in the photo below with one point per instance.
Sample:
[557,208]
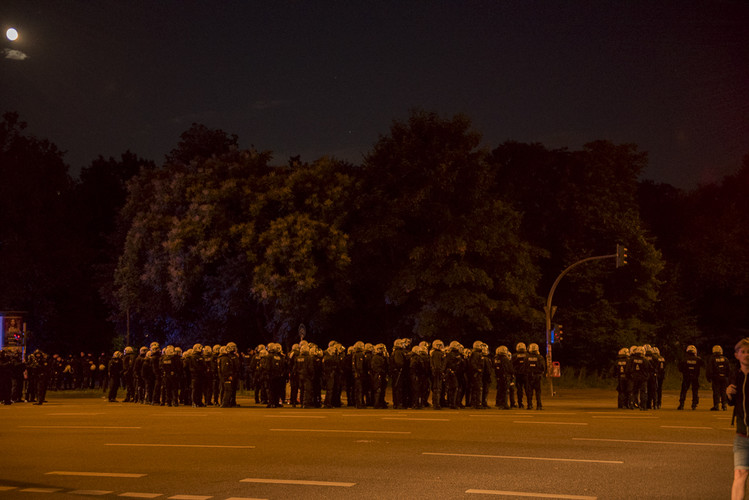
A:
[419,376]
[641,370]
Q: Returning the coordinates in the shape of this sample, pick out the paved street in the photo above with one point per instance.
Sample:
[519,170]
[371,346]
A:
[578,447]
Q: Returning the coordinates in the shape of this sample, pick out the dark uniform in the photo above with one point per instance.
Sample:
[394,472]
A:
[437,369]
[518,366]
[717,372]
[114,372]
[638,371]
[620,374]
[503,373]
[535,368]
[690,371]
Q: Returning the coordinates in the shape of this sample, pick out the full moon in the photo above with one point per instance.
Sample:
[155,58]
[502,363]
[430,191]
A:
[12,34]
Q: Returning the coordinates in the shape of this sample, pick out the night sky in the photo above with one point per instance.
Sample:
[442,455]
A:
[321,78]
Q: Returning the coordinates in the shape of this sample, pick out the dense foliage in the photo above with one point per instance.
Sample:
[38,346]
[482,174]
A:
[432,236]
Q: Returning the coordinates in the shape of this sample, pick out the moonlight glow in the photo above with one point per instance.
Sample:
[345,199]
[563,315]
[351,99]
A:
[12,34]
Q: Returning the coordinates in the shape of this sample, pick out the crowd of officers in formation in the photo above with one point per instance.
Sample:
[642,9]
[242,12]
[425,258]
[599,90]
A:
[420,376]
[641,370]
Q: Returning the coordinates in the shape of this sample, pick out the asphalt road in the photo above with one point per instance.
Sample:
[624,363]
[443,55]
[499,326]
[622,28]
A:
[579,447]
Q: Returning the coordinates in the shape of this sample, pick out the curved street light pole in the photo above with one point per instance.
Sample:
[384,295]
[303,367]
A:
[550,311]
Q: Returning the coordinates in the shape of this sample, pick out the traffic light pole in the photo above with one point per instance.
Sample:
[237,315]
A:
[550,311]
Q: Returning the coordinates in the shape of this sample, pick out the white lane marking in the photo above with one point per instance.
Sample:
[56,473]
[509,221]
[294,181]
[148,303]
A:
[190,497]
[295,416]
[90,492]
[245,498]
[625,416]
[682,427]
[93,474]
[169,445]
[342,431]
[547,459]
[652,442]
[73,427]
[506,414]
[41,490]
[418,419]
[131,494]
[296,481]
[548,422]
[7,488]
[179,414]
[77,414]
[535,495]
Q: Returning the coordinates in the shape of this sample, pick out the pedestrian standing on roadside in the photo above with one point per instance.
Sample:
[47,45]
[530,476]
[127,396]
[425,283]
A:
[738,395]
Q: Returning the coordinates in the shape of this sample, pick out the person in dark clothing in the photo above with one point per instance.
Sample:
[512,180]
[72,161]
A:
[738,395]
[379,367]
[196,366]
[114,371]
[503,373]
[717,372]
[638,370]
[128,373]
[437,369]
[620,374]
[518,366]
[690,371]
[535,369]
[476,374]
[43,373]
[6,378]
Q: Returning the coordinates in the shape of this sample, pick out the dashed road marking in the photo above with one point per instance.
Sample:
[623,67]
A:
[683,427]
[93,474]
[41,490]
[74,427]
[509,457]
[418,419]
[527,494]
[296,481]
[171,445]
[341,431]
[90,492]
[133,494]
[547,422]
[652,442]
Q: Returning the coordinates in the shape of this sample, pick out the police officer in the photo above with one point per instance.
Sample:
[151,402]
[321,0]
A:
[128,373]
[503,373]
[476,374]
[437,370]
[114,372]
[660,373]
[398,375]
[638,371]
[535,369]
[518,366]
[196,367]
[690,371]
[717,372]
[379,369]
[620,373]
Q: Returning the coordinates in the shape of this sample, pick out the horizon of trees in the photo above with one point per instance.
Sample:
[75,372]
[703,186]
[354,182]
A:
[432,236]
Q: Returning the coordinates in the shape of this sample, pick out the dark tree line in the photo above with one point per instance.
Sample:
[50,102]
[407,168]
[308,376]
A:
[432,236]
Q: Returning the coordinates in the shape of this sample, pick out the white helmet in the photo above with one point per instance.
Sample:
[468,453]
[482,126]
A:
[717,349]
[520,347]
[533,348]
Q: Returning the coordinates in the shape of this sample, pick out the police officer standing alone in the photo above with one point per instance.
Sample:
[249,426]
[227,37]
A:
[690,372]
[717,372]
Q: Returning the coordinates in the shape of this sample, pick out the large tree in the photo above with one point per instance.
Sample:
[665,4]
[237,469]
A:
[579,204]
[41,262]
[435,255]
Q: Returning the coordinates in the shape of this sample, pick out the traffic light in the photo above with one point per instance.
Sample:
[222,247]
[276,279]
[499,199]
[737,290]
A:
[621,255]
[558,333]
